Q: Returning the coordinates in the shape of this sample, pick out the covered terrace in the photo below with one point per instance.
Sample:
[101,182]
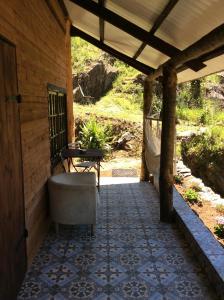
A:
[134,255]
[138,251]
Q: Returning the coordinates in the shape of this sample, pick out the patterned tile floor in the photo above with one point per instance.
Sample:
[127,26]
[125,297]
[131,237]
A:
[133,255]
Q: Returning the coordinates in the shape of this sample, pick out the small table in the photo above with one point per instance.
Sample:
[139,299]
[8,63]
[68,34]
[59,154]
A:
[95,155]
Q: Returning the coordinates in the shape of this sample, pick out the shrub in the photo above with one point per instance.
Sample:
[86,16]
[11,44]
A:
[206,116]
[206,147]
[191,196]
[191,115]
[95,136]
[220,208]
[178,179]
[219,228]
[196,187]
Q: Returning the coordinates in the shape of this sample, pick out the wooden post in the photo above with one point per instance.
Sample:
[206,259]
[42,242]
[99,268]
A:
[70,118]
[167,143]
[146,110]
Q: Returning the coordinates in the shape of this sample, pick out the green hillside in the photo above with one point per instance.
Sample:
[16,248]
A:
[124,100]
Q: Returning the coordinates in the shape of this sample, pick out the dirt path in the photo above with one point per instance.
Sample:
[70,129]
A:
[121,161]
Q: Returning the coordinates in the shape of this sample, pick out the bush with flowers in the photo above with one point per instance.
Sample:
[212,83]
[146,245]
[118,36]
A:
[219,228]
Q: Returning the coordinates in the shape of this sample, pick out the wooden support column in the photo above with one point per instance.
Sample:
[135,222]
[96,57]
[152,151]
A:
[167,143]
[69,85]
[147,98]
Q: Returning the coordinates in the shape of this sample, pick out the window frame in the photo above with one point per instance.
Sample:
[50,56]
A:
[58,125]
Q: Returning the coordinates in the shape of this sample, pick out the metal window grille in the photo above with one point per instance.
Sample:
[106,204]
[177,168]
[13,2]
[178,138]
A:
[57,122]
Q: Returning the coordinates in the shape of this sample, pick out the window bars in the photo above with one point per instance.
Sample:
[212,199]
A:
[57,112]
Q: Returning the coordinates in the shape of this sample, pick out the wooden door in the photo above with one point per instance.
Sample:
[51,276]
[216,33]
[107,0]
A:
[12,226]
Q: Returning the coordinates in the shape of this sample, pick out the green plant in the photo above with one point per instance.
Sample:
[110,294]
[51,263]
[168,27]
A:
[156,104]
[205,148]
[206,117]
[192,115]
[95,136]
[219,228]
[191,196]
[196,187]
[82,54]
[220,208]
[178,179]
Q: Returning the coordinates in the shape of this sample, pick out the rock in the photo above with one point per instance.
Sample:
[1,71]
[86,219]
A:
[139,79]
[215,92]
[125,137]
[186,175]
[185,170]
[94,83]
[184,134]
[122,142]
[197,182]
[217,202]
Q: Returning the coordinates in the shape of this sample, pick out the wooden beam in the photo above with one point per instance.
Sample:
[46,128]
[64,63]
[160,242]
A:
[212,54]
[101,21]
[133,30]
[208,43]
[170,5]
[207,56]
[148,97]
[63,7]
[167,143]
[126,59]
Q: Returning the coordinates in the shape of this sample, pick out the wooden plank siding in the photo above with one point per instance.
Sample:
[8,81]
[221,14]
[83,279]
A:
[43,56]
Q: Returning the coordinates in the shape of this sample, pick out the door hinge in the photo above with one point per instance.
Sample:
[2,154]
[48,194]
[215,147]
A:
[14,98]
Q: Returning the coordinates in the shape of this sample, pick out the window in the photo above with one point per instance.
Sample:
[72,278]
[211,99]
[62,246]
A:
[57,121]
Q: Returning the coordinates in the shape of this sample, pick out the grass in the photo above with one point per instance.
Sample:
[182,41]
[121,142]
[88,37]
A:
[82,54]
[189,114]
[220,209]
[107,108]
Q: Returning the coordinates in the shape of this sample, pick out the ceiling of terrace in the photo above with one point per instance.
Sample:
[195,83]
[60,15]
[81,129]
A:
[147,33]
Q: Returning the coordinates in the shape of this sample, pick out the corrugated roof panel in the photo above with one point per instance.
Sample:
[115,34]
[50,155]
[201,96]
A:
[187,22]
[152,57]
[213,66]
[83,19]
[190,20]
[140,12]
[120,40]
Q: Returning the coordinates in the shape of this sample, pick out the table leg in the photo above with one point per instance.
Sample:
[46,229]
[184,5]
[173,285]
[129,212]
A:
[98,174]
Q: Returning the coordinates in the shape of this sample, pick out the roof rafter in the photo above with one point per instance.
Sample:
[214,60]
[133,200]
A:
[207,56]
[101,21]
[134,30]
[167,9]
[126,59]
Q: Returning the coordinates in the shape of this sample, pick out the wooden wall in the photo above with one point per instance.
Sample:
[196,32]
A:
[40,32]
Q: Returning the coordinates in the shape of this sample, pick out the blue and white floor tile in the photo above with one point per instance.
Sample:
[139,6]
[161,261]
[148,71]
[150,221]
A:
[132,256]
